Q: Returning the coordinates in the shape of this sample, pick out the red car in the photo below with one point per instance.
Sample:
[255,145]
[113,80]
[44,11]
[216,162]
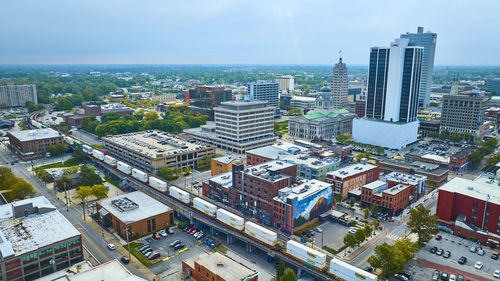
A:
[156,236]
[190,230]
[494,256]
[438,237]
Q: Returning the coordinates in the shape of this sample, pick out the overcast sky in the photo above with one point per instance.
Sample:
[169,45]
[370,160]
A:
[253,31]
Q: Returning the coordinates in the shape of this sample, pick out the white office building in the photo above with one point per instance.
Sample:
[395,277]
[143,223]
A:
[392,98]
[265,91]
[285,82]
[17,95]
[428,41]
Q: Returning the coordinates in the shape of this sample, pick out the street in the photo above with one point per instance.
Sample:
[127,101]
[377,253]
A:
[92,241]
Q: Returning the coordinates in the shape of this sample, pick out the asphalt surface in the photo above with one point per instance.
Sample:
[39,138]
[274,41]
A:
[93,243]
[85,136]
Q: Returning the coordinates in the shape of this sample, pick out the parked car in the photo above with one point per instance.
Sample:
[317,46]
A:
[400,277]
[318,230]
[201,236]
[145,250]
[175,243]
[453,277]
[478,265]
[460,278]
[170,231]
[438,237]
[435,276]
[439,252]
[148,254]
[352,231]
[494,256]
[368,269]
[444,276]
[125,260]
[462,260]
[496,274]
[111,247]
[407,274]
[156,236]
[140,248]
[446,254]
[433,250]
[154,255]
[163,233]
[480,251]
[179,246]
[473,249]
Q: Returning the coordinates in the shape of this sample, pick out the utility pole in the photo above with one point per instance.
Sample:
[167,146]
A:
[66,194]
[126,234]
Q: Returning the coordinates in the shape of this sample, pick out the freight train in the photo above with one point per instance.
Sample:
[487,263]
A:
[312,258]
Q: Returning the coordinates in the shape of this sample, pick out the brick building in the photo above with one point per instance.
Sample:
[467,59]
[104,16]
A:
[436,175]
[273,152]
[470,209]
[391,200]
[217,187]
[417,183]
[36,240]
[460,160]
[217,267]
[254,188]
[74,120]
[136,211]
[360,108]
[33,144]
[222,165]
[352,177]
[208,96]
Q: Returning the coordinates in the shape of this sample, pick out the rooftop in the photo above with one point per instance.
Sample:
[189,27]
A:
[36,134]
[224,180]
[132,207]
[405,178]
[226,159]
[303,190]
[309,161]
[395,189]
[474,189]
[437,158]
[83,271]
[334,113]
[351,170]
[378,184]
[154,143]
[278,149]
[222,265]
[24,226]
[269,170]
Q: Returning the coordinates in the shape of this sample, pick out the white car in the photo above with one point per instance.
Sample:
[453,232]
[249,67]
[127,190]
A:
[478,265]
[111,247]
[453,277]
[496,274]
[163,233]
[352,231]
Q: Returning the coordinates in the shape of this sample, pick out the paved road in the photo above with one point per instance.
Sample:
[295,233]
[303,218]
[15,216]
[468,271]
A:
[92,241]
[85,137]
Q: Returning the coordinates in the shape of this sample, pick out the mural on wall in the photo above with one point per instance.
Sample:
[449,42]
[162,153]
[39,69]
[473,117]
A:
[311,206]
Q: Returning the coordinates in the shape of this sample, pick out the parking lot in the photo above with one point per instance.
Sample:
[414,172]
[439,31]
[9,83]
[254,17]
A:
[333,235]
[460,247]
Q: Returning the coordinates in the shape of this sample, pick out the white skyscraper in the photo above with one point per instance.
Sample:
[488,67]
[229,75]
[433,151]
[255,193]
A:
[428,41]
[392,97]
[339,85]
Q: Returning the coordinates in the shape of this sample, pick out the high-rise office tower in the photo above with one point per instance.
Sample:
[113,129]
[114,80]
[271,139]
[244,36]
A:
[464,113]
[265,91]
[285,82]
[17,95]
[428,41]
[392,97]
[339,85]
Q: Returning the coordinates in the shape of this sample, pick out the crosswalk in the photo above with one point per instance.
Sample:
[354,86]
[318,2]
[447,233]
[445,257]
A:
[413,237]
[394,236]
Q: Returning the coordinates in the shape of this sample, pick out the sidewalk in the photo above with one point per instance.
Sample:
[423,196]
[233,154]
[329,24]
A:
[110,238]
[361,249]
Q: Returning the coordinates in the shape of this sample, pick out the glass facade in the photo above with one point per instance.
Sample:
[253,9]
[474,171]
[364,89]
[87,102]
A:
[377,83]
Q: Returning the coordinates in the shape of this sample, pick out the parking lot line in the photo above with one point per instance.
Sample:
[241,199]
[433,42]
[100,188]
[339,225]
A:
[180,251]
[166,259]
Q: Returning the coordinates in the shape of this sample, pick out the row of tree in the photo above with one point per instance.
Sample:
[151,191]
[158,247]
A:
[486,147]
[454,137]
[57,150]
[352,240]
[13,187]
[86,177]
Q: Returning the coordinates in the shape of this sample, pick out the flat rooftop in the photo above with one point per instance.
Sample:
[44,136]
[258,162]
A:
[405,178]
[375,185]
[269,170]
[154,143]
[277,150]
[224,180]
[36,134]
[23,234]
[83,271]
[222,265]
[351,170]
[132,207]
[226,159]
[474,189]
[395,189]
[303,190]
[435,157]
[312,162]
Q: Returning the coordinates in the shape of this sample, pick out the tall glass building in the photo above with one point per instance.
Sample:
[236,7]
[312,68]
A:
[428,41]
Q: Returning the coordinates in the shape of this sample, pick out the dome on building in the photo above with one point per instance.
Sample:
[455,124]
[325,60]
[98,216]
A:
[325,89]
[324,99]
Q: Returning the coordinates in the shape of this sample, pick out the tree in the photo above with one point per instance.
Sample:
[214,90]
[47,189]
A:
[350,240]
[63,103]
[338,197]
[475,158]
[493,159]
[367,230]
[366,212]
[186,170]
[71,170]
[375,224]
[79,156]
[106,117]
[82,193]
[63,183]
[433,135]
[288,275]
[422,223]
[456,137]
[88,177]
[352,201]
[151,115]
[385,257]
[99,191]
[374,209]
[280,269]
[360,236]
[362,155]
[168,173]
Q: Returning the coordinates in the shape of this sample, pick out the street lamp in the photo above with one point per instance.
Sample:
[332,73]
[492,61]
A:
[127,229]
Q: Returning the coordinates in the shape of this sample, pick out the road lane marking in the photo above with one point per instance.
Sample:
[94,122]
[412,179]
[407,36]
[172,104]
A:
[185,249]
[83,235]
[359,264]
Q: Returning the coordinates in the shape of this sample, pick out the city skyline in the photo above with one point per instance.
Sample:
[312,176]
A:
[224,32]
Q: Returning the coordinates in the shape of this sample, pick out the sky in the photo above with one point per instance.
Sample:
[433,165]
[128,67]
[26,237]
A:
[240,31]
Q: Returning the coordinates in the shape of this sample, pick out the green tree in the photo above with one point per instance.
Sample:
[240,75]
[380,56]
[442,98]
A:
[288,275]
[338,197]
[186,170]
[168,173]
[386,258]
[63,103]
[422,223]
[374,209]
[99,191]
[456,137]
[280,269]
[362,155]
[360,236]
[350,240]
[106,117]
[367,230]
[493,159]
[88,176]
[475,158]
[366,212]
[63,183]
[71,170]
[82,193]
[151,115]
[352,201]
[375,224]
[433,135]
[78,156]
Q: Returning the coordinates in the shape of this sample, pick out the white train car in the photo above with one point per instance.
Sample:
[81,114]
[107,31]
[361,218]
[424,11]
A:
[110,160]
[140,175]
[69,140]
[124,168]
[157,184]
[260,233]
[205,207]
[98,154]
[306,254]
[345,271]
[179,194]
[87,149]
[230,219]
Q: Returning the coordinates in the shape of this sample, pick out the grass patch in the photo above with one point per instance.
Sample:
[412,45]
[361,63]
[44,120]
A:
[96,146]
[281,127]
[333,251]
[306,229]
[139,256]
[112,181]
[182,224]
[221,249]
[68,163]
